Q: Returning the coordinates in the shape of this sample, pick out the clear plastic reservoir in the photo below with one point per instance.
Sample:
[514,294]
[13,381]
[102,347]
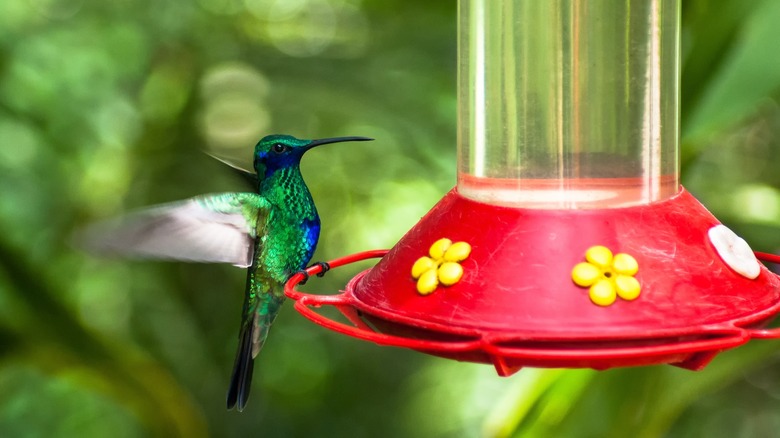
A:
[568,103]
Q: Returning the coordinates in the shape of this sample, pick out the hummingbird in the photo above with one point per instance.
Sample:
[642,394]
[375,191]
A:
[272,232]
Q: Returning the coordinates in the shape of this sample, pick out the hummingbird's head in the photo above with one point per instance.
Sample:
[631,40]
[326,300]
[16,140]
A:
[275,152]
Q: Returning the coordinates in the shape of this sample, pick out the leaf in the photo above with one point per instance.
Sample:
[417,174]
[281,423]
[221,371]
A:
[749,72]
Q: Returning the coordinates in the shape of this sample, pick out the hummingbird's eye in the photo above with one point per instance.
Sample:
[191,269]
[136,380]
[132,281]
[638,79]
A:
[279,148]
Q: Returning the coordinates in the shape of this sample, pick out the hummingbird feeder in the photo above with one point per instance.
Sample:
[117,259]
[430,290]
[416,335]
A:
[568,241]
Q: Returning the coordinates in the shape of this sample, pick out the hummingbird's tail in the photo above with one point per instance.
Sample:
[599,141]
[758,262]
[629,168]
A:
[241,381]
[250,341]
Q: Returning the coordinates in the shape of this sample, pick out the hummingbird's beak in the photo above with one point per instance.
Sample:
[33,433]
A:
[323,141]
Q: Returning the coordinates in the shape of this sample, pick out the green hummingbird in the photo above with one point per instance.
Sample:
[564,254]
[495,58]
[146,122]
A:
[272,232]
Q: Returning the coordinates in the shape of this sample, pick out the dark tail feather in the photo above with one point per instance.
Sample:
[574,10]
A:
[241,381]
[250,341]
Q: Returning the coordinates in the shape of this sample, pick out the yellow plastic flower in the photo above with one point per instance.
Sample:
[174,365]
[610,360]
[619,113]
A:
[607,276]
[443,265]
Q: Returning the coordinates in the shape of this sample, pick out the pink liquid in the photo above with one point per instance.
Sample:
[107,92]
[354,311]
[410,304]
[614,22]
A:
[568,193]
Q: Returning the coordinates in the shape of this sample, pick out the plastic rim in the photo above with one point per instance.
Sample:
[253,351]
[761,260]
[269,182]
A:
[508,351]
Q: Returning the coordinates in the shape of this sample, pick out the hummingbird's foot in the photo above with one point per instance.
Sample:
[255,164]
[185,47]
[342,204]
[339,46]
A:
[324,267]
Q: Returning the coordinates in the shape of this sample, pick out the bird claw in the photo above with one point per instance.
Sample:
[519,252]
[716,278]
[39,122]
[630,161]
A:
[324,267]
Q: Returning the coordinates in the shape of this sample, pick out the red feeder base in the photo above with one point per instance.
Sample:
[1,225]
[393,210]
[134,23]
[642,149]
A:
[516,304]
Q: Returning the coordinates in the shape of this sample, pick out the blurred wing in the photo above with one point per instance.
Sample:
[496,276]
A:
[246,175]
[218,229]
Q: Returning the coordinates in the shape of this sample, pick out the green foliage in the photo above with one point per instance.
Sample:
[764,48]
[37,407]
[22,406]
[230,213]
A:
[106,106]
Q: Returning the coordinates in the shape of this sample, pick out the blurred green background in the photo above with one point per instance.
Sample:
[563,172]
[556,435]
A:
[108,106]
